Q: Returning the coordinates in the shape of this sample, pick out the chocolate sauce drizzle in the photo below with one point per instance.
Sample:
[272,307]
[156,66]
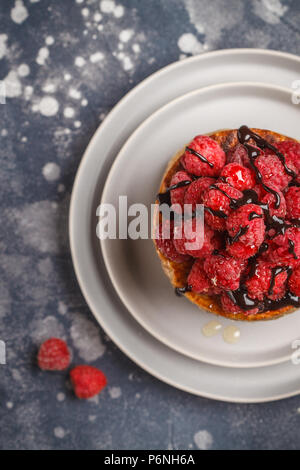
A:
[180,291]
[197,154]
[164,198]
[240,296]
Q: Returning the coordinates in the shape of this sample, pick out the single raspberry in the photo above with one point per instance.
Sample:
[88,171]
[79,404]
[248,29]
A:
[294,282]
[87,381]
[195,191]
[217,204]
[291,152]
[246,229]
[292,197]
[240,177]
[189,233]
[54,355]
[165,243]
[223,271]
[238,155]
[230,307]
[269,198]
[284,249]
[210,160]
[266,282]
[272,170]
[177,195]
[197,279]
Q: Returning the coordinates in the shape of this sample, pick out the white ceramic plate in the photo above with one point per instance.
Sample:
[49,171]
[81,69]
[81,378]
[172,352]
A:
[247,385]
[132,264]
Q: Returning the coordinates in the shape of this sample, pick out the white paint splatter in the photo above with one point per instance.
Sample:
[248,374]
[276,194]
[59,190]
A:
[189,44]
[51,171]
[23,70]
[69,112]
[48,106]
[86,338]
[49,40]
[9,405]
[49,88]
[60,396]
[118,11]
[115,392]
[98,56]
[28,91]
[84,102]
[59,432]
[19,13]
[3,45]
[107,6]
[97,17]
[67,77]
[61,188]
[203,439]
[79,61]
[85,12]
[44,328]
[13,87]
[136,48]
[214,17]
[42,56]
[75,94]
[62,308]
[270,11]
[126,35]
[77,124]
[92,418]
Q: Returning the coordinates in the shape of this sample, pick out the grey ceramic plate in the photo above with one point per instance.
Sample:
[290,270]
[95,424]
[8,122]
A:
[238,385]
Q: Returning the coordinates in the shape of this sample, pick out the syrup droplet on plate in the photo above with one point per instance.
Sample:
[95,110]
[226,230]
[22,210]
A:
[231,334]
[211,329]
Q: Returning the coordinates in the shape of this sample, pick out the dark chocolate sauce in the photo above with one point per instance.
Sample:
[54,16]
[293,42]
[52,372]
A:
[253,215]
[292,249]
[180,291]
[240,296]
[197,154]
[238,234]
[164,198]
[217,213]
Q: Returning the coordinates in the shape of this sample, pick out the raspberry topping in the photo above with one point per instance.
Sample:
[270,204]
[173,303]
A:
[266,281]
[165,242]
[197,279]
[249,254]
[203,240]
[217,204]
[246,229]
[223,271]
[238,176]
[294,282]
[87,381]
[203,157]
[177,195]
[292,197]
[196,190]
[54,355]
[272,171]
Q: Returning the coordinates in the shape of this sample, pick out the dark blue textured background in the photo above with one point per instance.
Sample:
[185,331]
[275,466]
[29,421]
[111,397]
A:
[39,293]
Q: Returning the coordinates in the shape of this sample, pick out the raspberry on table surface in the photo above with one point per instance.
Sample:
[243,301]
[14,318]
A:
[87,381]
[210,160]
[54,355]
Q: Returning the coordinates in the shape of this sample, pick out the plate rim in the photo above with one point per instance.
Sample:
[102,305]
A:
[103,243]
[72,235]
